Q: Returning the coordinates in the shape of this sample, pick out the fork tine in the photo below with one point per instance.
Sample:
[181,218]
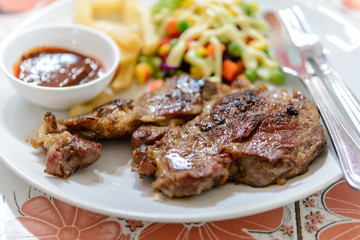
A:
[299,14]
[291,24]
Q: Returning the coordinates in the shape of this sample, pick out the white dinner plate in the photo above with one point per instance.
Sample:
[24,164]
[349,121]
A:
[109,186]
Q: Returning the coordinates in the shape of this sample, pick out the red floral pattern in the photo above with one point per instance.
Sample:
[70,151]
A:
[234,229]
[289,230]
[315,218]
[57,220]
[311,228]
[342,200]
[308,202]
[348,231]
[133,225]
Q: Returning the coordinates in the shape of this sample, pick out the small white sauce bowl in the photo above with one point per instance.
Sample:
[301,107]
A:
[78,38]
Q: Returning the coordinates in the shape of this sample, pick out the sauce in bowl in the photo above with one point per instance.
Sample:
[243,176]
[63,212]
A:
[56,67]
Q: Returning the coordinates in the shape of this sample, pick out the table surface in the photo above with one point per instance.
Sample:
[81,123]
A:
[27,213]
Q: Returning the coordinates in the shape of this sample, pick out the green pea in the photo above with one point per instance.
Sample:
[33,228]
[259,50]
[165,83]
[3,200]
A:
[199,54]
[251,75]
[234,50]
[155,61]
[247,8]
[182,25]
[277,76]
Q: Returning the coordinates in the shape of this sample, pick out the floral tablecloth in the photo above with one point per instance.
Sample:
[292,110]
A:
[27,213]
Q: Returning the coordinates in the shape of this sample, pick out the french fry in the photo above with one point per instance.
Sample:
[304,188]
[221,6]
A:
[83,12]
[148,35]
[80,109]
[134,34]
[107,6]
[131,14]
[123,76]
[125,38]
[134,14]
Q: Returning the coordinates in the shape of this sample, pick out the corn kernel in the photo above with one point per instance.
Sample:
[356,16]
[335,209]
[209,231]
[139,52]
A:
[187,3]
[200,51]
[239,2]
[143,72]
[254,6]
[190,20]
[196,71]
[164,49]
[199,10]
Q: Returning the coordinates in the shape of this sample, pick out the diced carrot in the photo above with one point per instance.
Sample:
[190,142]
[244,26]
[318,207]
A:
[229,70]
[156,84]
[172,27]
[210,49]
[249,39]
[241,66]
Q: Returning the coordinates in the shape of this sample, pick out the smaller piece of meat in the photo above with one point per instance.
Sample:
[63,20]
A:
[112,120]
[66,153]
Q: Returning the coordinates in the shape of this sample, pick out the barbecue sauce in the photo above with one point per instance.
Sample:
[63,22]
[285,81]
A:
[56,67]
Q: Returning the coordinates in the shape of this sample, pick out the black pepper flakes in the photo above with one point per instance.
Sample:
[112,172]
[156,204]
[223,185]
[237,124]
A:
[292,110]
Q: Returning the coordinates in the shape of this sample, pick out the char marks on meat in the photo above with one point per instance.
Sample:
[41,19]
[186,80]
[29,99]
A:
[254,136]
[283,145]
[66,153]
[180,98]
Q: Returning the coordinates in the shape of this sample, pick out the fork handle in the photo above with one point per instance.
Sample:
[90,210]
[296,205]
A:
[345,95]
[345,140]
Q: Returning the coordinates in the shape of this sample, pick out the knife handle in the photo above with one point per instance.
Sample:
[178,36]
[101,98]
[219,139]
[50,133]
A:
[345,140]
[347,98]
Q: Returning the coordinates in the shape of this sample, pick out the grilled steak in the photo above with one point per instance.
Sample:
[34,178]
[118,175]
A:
[180,99]
[284,144]
[254,136]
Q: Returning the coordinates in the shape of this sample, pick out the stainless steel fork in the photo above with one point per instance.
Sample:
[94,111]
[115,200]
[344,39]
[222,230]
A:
[345,138]
[302,36]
